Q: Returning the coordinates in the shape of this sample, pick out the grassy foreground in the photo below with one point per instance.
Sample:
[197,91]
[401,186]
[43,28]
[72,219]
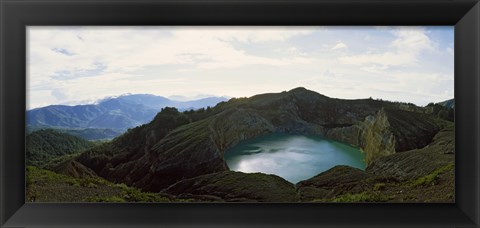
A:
[48,186]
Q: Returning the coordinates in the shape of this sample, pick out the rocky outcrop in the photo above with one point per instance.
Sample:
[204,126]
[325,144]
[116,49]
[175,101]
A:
[388,132]
[236,187]
[418,162]
[418,175]
[378,139]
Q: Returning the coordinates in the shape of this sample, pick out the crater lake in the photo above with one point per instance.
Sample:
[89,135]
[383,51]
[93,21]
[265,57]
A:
[292,157]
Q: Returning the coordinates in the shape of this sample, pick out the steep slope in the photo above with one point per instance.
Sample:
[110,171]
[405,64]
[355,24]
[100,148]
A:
[418,175]
[177,146]
[44,145]
[127,154]
[389,131]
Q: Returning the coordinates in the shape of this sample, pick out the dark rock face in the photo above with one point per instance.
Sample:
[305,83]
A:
[173,147]
[412,130]
[389,131]
[418,175]
[418,162]
[237,187]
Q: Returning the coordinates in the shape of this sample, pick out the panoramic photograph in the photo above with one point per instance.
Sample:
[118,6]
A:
[261,114]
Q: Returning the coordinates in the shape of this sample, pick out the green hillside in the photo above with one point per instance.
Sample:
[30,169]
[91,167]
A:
[47,186]
[176,145]
[408,151]
[45,145]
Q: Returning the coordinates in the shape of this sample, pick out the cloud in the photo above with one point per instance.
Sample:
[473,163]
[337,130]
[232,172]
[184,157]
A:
[405,49]
[374,68]
[450,51]
[72,64]
[66,74]
[250,34]
[412,40]
[127,49]
[339,45]
[68,53]
[63,51]
[215,45]
[329,73]
[58,94]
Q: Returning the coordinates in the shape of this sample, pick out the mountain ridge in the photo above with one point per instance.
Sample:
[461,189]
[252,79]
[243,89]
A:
[155,155]
[121,112]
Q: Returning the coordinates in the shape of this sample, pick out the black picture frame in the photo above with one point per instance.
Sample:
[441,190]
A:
[17,14]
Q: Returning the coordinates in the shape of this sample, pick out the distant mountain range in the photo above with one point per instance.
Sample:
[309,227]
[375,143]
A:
[118,113]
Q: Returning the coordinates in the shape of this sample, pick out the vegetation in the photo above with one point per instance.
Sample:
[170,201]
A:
[432,178]
[47,186]
[45,145]
[91,134]
[98,134]
[441,111]
[181,155]
[165,121]
[128,147]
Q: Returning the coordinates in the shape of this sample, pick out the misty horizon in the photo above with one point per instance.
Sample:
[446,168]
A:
[181,98]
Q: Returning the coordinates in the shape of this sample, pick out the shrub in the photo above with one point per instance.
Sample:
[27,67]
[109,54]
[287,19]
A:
[431,179]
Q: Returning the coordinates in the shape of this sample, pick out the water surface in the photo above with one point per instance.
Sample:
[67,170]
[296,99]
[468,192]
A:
[292,157]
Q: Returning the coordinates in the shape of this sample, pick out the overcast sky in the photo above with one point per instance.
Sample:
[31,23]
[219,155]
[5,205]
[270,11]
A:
[77,65]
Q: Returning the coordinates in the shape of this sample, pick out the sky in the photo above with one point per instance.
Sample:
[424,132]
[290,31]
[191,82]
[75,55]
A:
[79,65]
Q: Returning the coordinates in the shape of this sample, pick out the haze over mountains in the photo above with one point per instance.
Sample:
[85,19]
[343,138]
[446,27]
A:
[119,113]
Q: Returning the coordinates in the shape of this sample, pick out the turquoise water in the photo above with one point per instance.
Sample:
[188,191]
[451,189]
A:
[292,157]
